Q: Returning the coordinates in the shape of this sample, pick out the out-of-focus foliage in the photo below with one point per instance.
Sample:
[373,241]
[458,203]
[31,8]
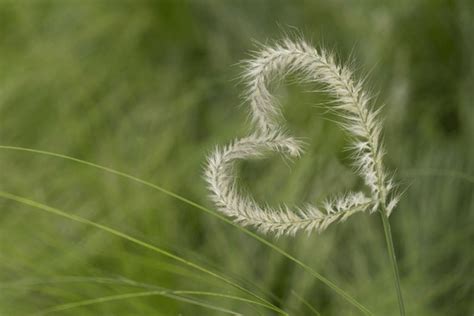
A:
[149,87]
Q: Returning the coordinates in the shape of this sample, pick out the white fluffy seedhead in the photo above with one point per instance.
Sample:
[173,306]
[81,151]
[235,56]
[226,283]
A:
[357,118]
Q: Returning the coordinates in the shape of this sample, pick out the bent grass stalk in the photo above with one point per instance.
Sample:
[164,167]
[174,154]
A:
[119,297]
[306,303]
[75,218]
[357,117]
[178,295]
[265,242]
[152,290]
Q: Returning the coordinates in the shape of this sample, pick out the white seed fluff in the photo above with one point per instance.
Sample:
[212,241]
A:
[357,118]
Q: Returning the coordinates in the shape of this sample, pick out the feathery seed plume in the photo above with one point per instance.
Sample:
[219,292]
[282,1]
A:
[358,118]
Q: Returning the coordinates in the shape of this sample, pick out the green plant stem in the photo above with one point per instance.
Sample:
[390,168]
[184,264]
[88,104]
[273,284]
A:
[393,259]
[134,240]
[166,293]
[272,246]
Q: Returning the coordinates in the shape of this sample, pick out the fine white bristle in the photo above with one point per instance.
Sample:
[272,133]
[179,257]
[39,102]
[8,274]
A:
[357,118]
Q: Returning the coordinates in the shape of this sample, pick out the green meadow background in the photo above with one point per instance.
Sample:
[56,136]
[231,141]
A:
[150,87]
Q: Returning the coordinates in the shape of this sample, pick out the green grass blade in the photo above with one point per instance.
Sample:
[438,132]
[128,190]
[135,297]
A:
[122,235]
[306,303]
[305,267]
[100,300]
[158,290]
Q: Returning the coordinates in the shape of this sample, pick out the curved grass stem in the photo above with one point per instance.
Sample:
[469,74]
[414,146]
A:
[170,294]
[393,259]
[75,218]
[265,242]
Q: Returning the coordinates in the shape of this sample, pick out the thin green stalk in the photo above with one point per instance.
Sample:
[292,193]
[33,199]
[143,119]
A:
[153,290]
[305,267]
[134,240]
[306,303]
[171,294]
[393,259]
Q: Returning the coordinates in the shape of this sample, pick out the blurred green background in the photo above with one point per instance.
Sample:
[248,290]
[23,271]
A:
[149,87]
